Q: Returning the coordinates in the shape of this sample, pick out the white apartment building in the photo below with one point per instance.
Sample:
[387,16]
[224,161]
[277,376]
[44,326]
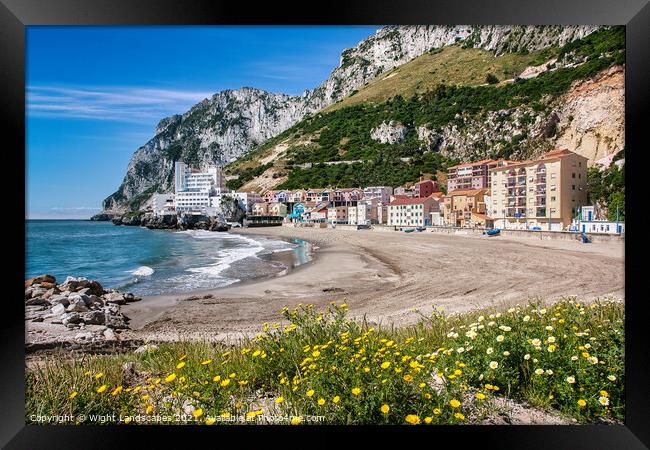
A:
[383,193]
[195,189]
[162,204]
[352,215]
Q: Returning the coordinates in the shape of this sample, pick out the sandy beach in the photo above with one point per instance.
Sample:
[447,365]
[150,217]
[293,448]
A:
[386,276]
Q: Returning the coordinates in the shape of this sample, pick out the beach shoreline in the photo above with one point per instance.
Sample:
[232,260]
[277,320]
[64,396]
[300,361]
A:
[389,278]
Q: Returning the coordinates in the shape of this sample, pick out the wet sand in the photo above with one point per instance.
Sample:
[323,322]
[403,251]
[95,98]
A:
[385,276]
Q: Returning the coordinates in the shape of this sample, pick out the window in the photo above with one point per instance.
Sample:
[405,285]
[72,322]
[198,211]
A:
[553,198]
[553,175]
[573,186]
[573,175]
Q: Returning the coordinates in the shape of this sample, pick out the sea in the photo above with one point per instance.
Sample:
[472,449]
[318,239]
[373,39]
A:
[153,262]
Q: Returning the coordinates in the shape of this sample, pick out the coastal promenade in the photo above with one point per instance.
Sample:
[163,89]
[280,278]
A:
[386,276]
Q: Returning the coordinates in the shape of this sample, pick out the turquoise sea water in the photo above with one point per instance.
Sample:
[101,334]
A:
[148,262]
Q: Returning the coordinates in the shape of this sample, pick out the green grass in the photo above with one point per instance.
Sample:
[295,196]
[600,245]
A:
[450,65]
[444,370]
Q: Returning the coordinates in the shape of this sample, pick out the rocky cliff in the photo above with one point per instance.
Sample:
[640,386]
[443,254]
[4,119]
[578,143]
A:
[227,125]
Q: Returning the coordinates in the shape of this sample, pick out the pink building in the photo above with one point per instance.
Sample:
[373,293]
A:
[473,175]
[425,188]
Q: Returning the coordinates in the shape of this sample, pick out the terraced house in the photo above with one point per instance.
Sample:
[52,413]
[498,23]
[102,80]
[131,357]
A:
[544,192]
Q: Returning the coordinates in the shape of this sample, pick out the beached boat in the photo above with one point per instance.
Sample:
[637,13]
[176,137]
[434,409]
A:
[494,232]
[409,230]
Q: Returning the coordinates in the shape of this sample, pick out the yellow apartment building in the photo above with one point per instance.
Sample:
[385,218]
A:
[543,193]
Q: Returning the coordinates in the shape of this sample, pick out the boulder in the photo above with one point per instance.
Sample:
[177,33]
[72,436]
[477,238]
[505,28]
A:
[57,309]
[70,318]
[59,299]
[87,336]
[36,301]
[48,285]
[77,284]
[40,279]
[75,297]
[51,292]
[94,317]
[109,335]
[96,301]
[77,304]
[115,298]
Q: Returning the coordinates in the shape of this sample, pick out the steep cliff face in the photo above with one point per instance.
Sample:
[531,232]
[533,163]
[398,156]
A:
[592,115]
[229,124]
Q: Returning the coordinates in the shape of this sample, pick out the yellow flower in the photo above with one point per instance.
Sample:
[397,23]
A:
[149,409]
[321,401]
[296,420]
[197,413]
[210,420]
[384,409]
[315,354]
[480,396]
[437,411]
[408,378]
[459,416]
[171,377]
[232,375]
[180,365]
[428,420]
[225,414]
[74,394]
[604,393]
[412,419]
[310,393]
[216,378]
[385,365]
[225,382]
[127,419]
[582,403]
[356,391]
[243,382]
[454,403]
[279,400]
[207,361]
[101,389]
[99,375]
[117,390]
[336,399]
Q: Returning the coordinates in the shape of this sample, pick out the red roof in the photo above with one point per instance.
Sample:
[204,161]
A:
[437,194]
[409,201]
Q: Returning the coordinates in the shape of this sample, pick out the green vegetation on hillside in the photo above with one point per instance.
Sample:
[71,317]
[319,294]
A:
[447,65]
[447,369]
[607,188]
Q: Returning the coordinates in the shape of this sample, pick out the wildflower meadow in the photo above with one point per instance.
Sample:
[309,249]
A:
[566,357]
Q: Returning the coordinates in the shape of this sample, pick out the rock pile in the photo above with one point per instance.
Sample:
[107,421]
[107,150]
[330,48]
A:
[75,303]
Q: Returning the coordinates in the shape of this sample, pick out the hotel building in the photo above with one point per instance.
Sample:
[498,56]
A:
[194,188]
[425,188]
[544,193]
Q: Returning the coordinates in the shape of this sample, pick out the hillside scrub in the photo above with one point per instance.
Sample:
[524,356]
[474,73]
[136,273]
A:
[567,357]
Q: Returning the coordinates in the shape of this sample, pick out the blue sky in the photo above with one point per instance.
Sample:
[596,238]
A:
[95,94]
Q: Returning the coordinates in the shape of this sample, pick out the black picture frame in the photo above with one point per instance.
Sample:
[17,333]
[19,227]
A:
[15,15]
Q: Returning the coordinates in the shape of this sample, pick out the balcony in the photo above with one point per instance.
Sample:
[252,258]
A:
[541,212]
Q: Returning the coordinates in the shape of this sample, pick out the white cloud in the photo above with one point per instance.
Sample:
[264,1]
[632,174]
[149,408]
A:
[126,104]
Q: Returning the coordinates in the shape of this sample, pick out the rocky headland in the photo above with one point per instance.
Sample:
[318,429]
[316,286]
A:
[173,222]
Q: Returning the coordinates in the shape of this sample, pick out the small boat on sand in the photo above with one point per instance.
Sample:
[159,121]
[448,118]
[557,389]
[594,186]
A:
[409,230]
[494,232]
